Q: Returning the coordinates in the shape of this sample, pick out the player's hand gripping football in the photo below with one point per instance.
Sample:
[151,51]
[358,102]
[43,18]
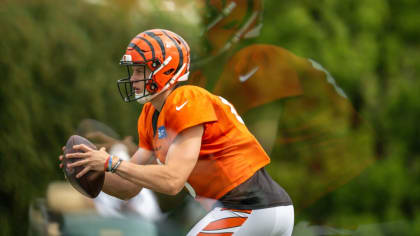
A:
[61,157]
[91,159]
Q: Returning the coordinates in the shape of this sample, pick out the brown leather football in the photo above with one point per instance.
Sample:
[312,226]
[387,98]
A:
[92,182]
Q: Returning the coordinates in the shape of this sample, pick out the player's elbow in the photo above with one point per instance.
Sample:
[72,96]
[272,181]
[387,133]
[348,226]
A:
[174,187]
[174,191]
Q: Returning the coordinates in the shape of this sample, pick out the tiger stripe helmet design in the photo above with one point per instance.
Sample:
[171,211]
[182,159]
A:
[165,53]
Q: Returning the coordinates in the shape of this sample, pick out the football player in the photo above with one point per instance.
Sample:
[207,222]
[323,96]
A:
[198,141]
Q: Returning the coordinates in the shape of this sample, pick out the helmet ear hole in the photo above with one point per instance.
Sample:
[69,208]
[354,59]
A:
[155,64]
[152,87]
[168,72]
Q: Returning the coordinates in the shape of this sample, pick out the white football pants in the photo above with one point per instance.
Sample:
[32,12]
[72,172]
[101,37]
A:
[269,221]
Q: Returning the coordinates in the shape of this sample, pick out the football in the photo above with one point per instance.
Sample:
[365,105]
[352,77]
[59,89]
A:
[92,182]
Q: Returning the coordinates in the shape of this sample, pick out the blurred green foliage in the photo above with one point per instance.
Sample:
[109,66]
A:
[59,65]
[371,47]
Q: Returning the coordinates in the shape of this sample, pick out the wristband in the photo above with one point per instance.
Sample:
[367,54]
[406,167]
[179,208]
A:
[106,164]
[116,166]
[110,163]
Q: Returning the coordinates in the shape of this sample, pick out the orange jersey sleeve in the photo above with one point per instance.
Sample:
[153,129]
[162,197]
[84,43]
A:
[186,108]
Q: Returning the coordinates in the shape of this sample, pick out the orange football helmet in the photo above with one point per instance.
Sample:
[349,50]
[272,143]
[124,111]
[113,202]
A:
[165,53]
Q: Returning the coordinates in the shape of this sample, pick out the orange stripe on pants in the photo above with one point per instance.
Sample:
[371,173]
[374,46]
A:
[226,223]
[237,210]
[210,234]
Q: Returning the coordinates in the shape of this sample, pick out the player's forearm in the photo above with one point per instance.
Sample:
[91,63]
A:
[159,178]
[119,187]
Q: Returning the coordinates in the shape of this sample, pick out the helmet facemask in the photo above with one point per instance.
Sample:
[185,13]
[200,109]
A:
[126,88]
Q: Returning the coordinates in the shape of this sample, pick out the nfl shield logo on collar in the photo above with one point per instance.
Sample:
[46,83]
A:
[161,132]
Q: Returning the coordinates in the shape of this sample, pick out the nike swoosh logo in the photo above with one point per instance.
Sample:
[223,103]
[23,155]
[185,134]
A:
[248,75]
[180,107]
